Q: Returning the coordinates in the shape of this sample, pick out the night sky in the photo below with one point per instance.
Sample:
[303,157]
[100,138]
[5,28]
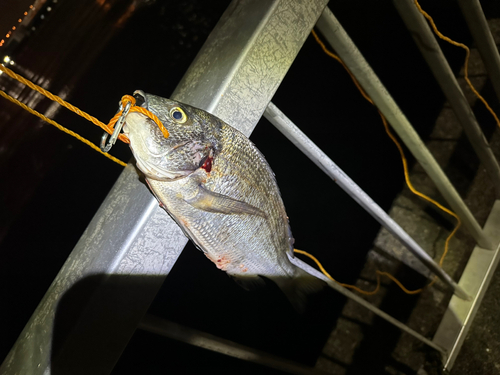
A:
[93,52]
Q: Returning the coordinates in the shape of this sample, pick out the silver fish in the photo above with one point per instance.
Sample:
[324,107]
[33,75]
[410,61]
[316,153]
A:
[220,190]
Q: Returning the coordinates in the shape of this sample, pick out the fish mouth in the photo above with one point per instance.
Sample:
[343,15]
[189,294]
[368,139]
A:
[140,99]
[148,161]
[145,159]
[161,174]
[155,173]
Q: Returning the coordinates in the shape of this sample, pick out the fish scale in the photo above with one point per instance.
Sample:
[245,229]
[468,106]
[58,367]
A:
[220,190]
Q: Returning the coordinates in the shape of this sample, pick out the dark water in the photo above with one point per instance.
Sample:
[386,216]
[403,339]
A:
[92,53]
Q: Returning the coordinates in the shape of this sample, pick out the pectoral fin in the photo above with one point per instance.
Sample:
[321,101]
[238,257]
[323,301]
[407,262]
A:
[214,202]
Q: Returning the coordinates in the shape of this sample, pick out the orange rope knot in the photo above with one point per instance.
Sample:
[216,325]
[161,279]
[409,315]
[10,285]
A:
[109,128]
[130,99]
[405,164]
[127,101]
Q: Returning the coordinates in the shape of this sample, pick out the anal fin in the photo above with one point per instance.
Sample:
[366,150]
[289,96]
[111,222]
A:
[248,282]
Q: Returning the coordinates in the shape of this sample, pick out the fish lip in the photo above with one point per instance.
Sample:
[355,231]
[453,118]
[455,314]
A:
[174,148]
[142,101]
[151,171]
[126,131]
[148,168]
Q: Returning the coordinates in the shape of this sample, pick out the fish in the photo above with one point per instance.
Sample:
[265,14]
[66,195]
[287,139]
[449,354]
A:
[218,187]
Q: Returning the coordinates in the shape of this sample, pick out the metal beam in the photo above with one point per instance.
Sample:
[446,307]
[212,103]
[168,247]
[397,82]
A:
[103,290]
[476,278]
[313,152]
[478,26]
[429,47]
[352,57]
[216,344]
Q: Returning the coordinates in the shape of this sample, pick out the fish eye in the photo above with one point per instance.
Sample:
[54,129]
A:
[178,115]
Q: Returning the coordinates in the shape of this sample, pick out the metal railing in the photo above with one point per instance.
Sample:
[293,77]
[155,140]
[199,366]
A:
[112,246]
[124,239]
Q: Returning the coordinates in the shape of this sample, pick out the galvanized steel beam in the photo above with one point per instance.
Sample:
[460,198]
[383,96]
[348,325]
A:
[98,298]
[429,47]
[313,152]
[216,344]
[352,57]
[476,278]
[478,26]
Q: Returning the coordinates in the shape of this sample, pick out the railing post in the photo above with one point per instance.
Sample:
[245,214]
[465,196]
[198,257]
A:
[429,47]
[352,57]
[313,152]
[478,26]
[131,244]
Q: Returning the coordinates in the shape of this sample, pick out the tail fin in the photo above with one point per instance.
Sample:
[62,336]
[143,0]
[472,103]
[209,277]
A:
[298,287]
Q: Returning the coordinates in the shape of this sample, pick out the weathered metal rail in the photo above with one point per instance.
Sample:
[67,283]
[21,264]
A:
[122,258]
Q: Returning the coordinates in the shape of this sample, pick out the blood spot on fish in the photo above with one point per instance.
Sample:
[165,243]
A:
[208,164]
[221,262]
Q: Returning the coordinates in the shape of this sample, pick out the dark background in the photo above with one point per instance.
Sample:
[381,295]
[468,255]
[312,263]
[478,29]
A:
[93,52]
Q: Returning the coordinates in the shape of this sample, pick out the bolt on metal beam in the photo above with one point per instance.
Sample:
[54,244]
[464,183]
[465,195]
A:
[352,57]
[429,47]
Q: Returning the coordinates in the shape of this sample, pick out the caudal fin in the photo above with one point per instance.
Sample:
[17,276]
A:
[298,287]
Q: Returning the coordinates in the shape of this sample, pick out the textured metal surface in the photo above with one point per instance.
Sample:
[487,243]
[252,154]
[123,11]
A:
[95,303]
[478,26]
[257,44]
[112,255]
[429,47]
[207,341]
[475,279]
[303,143]
[352,57]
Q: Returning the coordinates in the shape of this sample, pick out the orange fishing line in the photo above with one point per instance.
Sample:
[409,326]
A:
[62,128]
[404,161]
[109,127]
[61,101]
[466,64]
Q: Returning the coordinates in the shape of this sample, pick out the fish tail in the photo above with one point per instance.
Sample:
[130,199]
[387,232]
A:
[298,287]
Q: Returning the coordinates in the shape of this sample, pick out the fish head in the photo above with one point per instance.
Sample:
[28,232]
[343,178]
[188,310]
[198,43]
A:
[191,142]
